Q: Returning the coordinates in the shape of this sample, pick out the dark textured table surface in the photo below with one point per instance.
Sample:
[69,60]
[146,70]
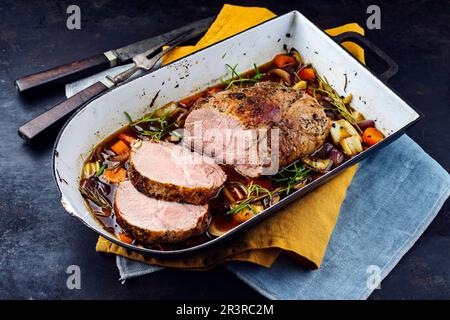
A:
[38,240]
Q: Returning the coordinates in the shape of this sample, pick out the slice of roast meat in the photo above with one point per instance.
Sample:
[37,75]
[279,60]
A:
[274,110]
[174,173]
[151,220]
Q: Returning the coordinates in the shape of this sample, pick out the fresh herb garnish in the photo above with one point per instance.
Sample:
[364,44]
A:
[96,197]
[128,116]
[237,79]
[292,175]
[254,192]
[335,100]
[100,170]
[245,204]
[158,127]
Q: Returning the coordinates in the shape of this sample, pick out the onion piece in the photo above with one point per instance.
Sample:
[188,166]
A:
[351,145]
[267,201]
[119,158]
[336,156]
[364,124]
[358,116]
[168,108]
[296,55]
[319,165]
[323,151]
[300,85]
[283,74]
[342,129]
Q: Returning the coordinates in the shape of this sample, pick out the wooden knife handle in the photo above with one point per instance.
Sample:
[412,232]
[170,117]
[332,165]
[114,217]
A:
[65,73]
[32,129]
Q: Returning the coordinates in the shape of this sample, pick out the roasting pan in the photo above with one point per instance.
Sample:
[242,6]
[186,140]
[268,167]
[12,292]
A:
[103,116]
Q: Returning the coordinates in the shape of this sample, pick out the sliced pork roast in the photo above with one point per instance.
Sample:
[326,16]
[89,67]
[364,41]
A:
[302,123]
[174,173]
[151,220]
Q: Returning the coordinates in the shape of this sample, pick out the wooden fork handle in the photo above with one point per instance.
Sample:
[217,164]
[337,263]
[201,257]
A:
[34,128]
[65,73]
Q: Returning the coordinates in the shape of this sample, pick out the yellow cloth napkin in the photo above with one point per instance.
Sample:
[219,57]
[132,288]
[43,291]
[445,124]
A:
[303,229]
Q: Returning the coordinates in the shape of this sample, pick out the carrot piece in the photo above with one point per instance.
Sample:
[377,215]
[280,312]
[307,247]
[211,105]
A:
[115,176]
[242,216]
[124,238]
[120,147]
[372,136]
[129,140]
[283,60]
[307,74]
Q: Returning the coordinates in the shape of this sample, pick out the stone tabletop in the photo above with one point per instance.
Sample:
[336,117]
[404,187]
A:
[38,240]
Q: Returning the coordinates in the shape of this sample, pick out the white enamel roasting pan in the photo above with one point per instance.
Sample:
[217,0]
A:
[182,78]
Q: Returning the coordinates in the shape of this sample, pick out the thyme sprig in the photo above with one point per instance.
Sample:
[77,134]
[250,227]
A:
[237,79]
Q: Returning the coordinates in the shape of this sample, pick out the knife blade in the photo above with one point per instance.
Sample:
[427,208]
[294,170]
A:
[88,66]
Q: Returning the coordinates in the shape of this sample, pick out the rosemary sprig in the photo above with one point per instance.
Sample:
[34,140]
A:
[292,175]
[336,101]
[245,204]
[237,79]
[96,197]
[158,127]
[254,192]
[128,116]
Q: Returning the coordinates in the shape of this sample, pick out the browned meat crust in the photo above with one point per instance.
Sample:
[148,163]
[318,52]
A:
[303,123]
[166,236]
[171,192]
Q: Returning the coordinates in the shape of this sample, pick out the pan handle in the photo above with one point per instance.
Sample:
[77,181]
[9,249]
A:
[359,39]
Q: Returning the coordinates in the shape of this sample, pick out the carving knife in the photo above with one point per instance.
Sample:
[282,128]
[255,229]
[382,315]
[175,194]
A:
[143,61]
[88,66]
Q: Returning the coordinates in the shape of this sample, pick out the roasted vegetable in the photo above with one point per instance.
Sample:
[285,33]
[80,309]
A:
[267,202]
[342,129]
[336,156]
[115,176]
[244,197]
[129,140]
[319,165]
[323,151]
[307,74]
[358,116]
[364,124]
[90,169]
[283,60]
[372,136]
[120,148]
[124,238]
[247,212]
[300,85]
[296,55]
[283,74]
[351,145]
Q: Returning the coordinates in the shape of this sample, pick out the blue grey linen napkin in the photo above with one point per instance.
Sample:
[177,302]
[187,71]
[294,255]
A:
[392,199]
